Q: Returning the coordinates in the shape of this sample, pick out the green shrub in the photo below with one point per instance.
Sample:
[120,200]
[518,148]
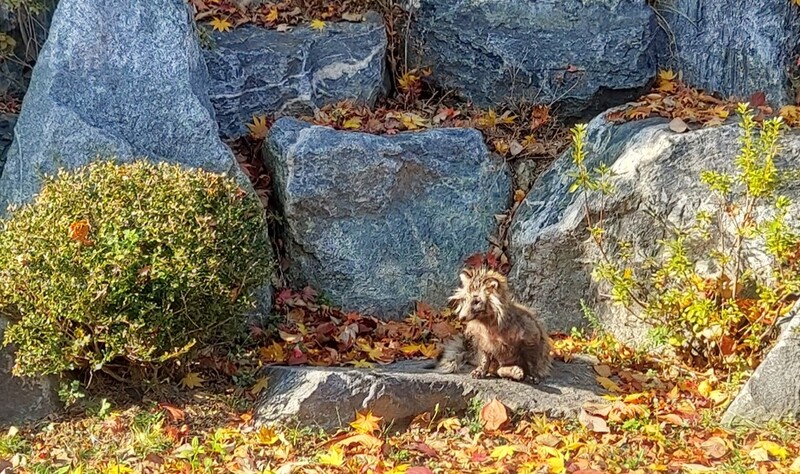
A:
[726,319]
[128,263]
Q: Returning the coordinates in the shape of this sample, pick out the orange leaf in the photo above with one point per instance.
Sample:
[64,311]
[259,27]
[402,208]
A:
[79,232]
[494,415]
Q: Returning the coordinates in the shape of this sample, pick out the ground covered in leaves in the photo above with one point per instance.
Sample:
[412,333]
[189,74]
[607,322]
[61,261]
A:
[658,416]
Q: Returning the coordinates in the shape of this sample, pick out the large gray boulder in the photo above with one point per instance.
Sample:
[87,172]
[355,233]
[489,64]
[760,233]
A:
[733,47]
[115,77]
[256,71]
[377,222]
[23,399]
[329,397]
[773,391]
[586,55]
[657,170]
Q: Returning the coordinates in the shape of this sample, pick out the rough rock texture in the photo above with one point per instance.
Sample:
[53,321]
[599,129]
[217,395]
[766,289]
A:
[22,399]
[587,55]
[656,169]
[7,122]
[329,397]
[733,47]
[122,77]
[255,71]
[773,391]
[379,221]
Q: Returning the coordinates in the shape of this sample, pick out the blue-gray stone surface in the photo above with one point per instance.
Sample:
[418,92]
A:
[585,54]
[23,399]
[115,77]
[376,222]
[256,71]
[733,47]
[773,391]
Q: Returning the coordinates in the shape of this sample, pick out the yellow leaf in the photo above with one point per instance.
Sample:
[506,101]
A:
[704,388]
[267,436]
[367,423]
[260,385]
[556,465]
[192,380]
[334,457]
[259,127]
[272,16]
[115,468]
[352,123]
[608,384]
[317,24]
[77,470]
[220,24]
[362,364]
[667,75]
[449,424]
[795,467]
[501,452]
[429,350]
[273,353]
[410,348]
[718,397]
[774,449]
[399,469]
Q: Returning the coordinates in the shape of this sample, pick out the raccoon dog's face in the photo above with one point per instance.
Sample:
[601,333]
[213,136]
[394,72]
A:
[479,296]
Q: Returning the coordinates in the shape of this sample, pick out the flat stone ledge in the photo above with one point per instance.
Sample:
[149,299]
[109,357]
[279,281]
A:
[329,397]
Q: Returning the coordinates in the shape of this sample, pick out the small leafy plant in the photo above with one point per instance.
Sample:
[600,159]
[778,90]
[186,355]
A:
[128,265]
[724,317]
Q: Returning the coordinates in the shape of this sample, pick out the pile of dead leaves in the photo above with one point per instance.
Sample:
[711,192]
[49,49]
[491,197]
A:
[9,105]
[659,417]
[282,15]
[525,131]
[687,106]
[317,334]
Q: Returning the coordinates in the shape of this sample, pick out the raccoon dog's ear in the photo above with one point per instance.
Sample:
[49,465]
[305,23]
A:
[492,283]
[465,276]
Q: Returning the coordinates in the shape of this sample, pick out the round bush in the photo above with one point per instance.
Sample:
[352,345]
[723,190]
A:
[128,263]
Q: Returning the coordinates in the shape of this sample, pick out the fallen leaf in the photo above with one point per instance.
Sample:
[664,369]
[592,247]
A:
[418,470]
[175,413]
[592,422]
[260,385]
[272,16]
[603,370]
[677,125]
[774,449]
[715,447]
[692,468]
[366,423]
[258,128]
[795,467]
[519,195]
[318,25]
[608,384]
[221,24]
[758,99]
[192,380]
[494,415]
[334,457]
[501,452]
[353,123]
